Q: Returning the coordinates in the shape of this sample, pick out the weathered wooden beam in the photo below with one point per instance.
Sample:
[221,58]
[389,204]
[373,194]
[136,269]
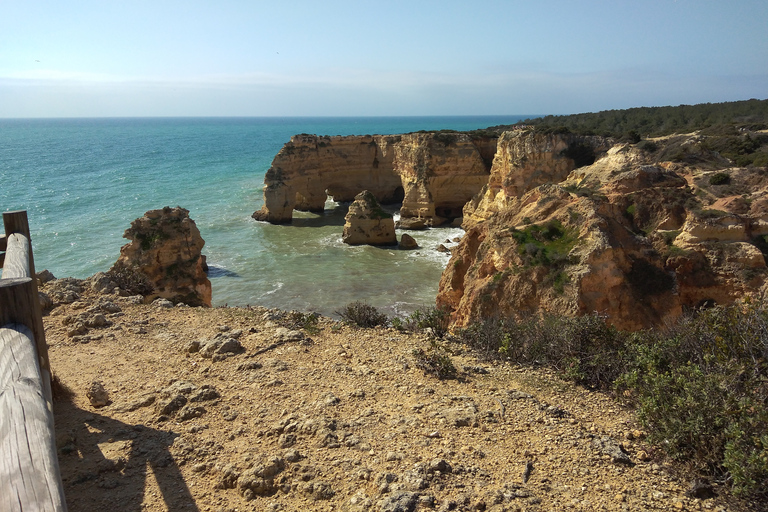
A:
[19,303]
[16,222]
[29,469]
[23,305]
[17,257]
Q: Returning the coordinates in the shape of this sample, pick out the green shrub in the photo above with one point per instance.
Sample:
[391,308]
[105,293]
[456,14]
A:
[362,315]
[648,146]
[435,361]
[583,349]
[436,319]
[130,279]
[720,178]
[298,320]
[701,392]
[546,244]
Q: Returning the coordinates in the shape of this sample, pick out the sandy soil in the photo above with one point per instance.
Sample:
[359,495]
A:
[234,409]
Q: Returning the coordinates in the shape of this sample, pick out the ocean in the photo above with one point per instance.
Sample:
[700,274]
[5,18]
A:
[82,182]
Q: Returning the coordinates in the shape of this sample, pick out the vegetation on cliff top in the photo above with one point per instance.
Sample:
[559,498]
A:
[639,122]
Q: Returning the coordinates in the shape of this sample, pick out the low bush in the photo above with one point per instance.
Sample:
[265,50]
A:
[130,279]
[300,320]
[720,178]
[583,349]
[701,390]
[436,319]
[435,361]
[362,315]
[700,387]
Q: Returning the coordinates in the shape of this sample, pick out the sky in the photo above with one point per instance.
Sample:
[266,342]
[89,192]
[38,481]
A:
[83,58]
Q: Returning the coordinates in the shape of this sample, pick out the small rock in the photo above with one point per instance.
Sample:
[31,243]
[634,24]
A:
[292,455]
[170,405]
[77,329]
[205,394]
[143,401]
[319,490]
[393,456]
[189,412]
[98,320]
[438,464]
[230,346]
[407,242]
[442,248]
[97,395]
[101,283]
[162,303]
[610,447]
[284,335]
[399,502]
[46,302]
[44,276]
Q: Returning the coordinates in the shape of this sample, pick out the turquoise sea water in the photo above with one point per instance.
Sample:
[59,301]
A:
[82,182]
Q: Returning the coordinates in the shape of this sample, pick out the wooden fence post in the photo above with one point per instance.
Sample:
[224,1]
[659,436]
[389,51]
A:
[29,470]
[28,313]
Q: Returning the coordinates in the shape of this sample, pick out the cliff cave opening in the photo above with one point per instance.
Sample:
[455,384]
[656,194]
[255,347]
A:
[449,211]
[398,195]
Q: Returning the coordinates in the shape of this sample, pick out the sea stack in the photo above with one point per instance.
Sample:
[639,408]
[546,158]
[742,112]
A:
[165,247]
[368,223]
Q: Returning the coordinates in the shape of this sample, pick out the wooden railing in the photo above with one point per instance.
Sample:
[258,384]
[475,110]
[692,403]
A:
[29,469]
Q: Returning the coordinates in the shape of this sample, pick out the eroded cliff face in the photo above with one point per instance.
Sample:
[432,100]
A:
[165,246]
[524,160]
[432,174]
[629,237]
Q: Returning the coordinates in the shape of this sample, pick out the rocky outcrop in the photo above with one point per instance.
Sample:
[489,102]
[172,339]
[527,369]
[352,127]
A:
[432,174]
[367,223]
[164,250]
[625,236]
[525,160]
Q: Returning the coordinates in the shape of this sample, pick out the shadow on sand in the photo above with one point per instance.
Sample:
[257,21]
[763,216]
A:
[106,464]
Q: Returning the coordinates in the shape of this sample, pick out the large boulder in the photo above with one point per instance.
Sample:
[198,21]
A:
[164,251]
[367,223]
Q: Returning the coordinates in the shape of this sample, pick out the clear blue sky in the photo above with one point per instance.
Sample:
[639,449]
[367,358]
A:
[354,58]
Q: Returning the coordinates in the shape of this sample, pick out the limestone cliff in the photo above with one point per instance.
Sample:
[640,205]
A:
[432,174]
[627,236]
[524,160]
[165,247]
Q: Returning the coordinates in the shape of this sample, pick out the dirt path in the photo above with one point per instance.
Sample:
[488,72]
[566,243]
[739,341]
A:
[227,409]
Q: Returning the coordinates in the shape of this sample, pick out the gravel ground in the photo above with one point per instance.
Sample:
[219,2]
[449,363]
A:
[235,409]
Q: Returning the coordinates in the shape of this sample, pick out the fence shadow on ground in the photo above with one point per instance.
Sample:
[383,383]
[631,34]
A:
[110,465]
